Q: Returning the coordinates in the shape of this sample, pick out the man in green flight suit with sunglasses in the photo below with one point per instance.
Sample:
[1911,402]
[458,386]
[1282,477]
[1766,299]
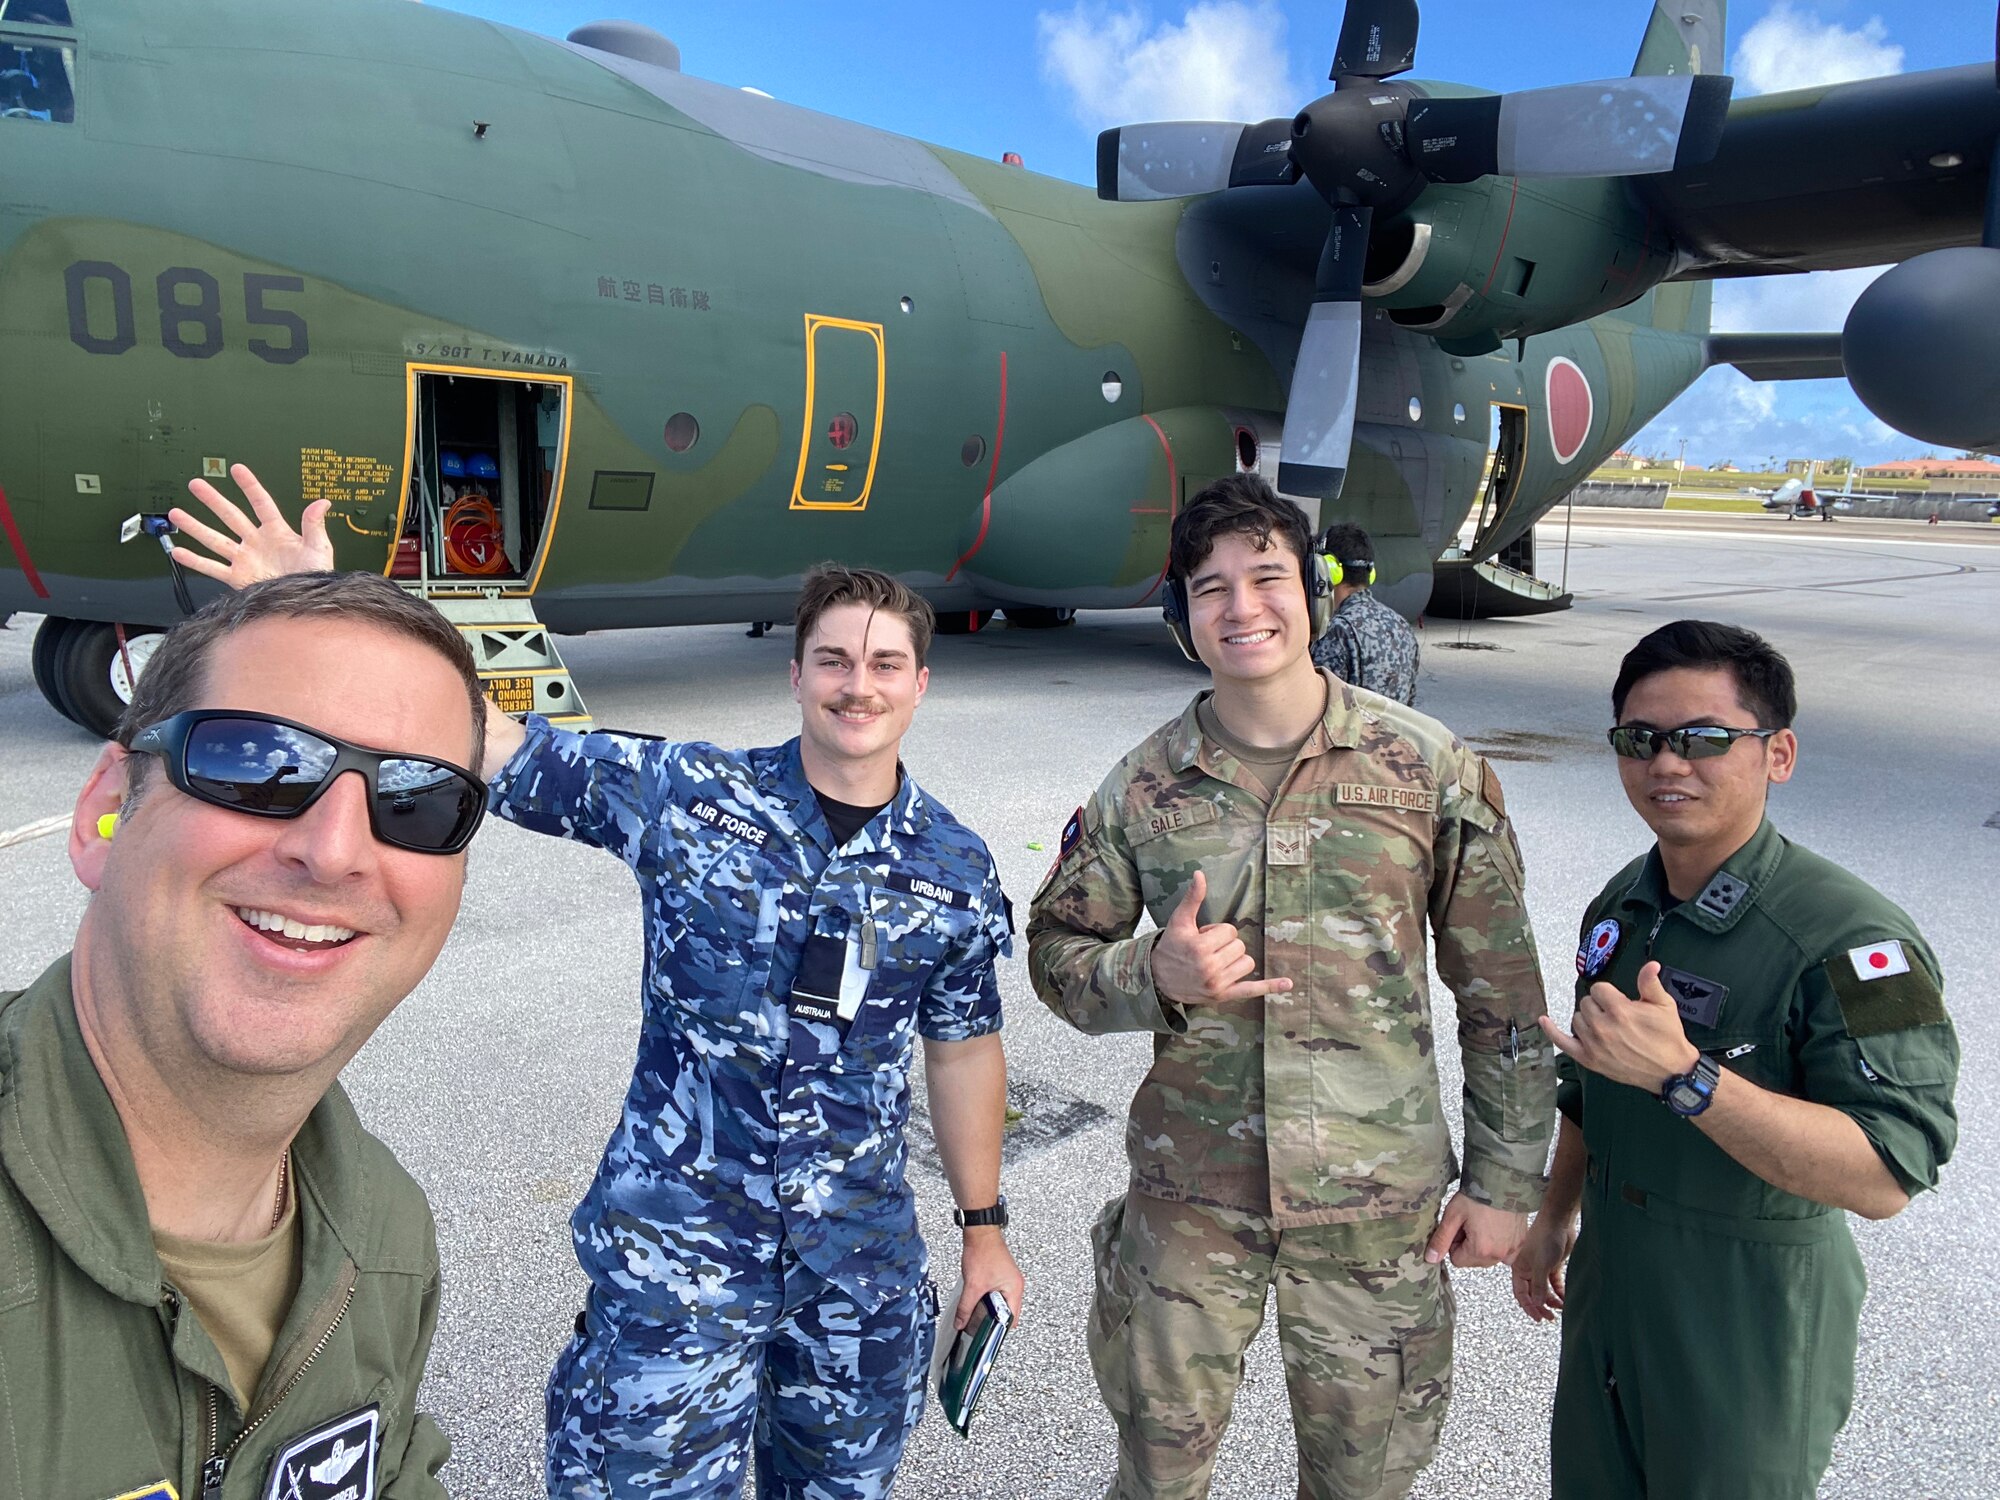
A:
[214,1282]
[1760,1042]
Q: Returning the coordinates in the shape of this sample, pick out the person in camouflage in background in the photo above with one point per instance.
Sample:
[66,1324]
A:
[1290,838]
[1366,644]
[757,1279]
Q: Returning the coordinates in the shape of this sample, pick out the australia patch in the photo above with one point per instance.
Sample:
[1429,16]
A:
[333,1462]
[930,890]
[734,824]
[1597,951]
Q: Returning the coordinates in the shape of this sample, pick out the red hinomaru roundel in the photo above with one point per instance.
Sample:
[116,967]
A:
[1570,408]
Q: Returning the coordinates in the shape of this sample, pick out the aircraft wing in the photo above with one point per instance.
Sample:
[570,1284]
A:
[1854,174]
[1779,356]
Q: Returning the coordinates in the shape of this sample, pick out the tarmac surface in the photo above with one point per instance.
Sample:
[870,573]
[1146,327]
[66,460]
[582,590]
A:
[498,1081]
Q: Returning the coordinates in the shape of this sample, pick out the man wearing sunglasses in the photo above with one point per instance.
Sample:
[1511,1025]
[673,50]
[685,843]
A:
[1760,1042]
[757,1281]
[213,1281]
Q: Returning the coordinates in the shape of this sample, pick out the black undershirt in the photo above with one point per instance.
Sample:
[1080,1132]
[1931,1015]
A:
[844,818]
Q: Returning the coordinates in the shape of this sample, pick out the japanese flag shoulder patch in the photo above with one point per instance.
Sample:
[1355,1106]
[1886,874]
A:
[1880,990]
[335,1461]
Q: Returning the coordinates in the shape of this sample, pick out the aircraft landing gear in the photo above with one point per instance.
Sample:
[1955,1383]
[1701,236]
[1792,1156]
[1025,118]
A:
[963,621]
[83,673]
[1035,617]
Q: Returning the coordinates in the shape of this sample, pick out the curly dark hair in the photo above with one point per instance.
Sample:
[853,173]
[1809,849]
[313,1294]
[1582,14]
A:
[1240,505]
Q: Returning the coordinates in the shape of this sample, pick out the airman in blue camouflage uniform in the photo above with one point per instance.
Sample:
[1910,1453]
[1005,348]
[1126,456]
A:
[757,1280]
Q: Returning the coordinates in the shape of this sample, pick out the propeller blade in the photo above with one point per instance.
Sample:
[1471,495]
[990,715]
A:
[1378,39]
[1180,158]
[1319,415]
[1620,127]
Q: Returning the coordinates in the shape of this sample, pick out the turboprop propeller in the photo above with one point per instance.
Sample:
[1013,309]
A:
[1371,146]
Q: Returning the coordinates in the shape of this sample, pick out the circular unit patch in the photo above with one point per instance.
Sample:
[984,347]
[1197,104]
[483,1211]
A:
[1594,957]
[1570,408]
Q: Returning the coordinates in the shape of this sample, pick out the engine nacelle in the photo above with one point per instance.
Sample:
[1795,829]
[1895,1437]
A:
[1920,350]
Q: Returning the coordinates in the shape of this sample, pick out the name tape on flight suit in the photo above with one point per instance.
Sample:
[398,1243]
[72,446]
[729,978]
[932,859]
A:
[333,1462]
[1698,1000]
[733,824]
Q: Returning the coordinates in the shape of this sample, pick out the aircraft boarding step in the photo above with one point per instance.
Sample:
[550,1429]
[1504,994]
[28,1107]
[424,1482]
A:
[518,663]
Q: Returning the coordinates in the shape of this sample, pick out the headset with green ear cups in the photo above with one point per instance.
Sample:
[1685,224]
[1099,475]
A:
[1336,572]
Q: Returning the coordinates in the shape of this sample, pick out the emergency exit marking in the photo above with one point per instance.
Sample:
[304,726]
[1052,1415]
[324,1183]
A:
[89,484]
[511,695]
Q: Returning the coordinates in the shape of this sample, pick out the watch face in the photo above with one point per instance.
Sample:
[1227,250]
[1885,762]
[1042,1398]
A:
[1686,1098]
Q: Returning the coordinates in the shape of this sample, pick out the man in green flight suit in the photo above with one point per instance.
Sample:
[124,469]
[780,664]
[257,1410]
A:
[1760,1042]
[1296,840]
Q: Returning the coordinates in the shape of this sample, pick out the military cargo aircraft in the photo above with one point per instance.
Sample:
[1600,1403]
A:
[572,339]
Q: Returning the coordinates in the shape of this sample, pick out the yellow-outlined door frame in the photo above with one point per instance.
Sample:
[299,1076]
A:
[482,372]
[815,322]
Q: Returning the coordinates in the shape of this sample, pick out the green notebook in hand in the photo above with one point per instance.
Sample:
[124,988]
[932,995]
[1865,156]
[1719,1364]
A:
[973,1351]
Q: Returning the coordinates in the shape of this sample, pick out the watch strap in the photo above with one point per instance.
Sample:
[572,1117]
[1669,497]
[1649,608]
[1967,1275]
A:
[974,1218]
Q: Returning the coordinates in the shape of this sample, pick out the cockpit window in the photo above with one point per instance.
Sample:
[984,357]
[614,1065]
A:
[35,12]
[37,81]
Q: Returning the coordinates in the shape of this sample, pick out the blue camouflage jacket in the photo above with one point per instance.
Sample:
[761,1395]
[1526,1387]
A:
[785,985]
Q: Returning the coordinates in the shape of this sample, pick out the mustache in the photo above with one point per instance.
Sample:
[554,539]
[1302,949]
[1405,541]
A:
[858,705]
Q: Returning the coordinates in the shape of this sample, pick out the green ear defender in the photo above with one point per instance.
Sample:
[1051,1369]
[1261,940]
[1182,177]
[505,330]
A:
[1337,573]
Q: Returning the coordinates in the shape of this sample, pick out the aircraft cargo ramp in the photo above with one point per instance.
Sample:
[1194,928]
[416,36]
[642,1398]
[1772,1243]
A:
[1468,590]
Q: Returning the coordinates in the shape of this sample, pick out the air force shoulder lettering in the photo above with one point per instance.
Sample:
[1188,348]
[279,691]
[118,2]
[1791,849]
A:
[333,1462]
[734,824]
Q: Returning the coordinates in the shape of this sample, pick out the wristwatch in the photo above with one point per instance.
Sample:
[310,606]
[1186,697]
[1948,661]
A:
[973,1218]
[1691,1093]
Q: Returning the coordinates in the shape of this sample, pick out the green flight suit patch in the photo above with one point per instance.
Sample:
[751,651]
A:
[1893,1001]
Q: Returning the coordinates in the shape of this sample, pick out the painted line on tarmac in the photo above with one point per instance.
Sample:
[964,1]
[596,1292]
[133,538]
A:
[1776,536]
[41,828]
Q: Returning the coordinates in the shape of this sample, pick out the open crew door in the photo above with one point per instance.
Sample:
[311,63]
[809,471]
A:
[1503,472]
[485,479]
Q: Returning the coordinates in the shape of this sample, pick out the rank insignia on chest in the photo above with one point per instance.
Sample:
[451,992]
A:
[333,1462]
[1720,896]
[1285,843]
[1595,956]
[1879,960]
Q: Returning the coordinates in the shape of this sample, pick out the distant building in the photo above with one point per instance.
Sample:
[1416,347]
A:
[1725,467]
[1943,476]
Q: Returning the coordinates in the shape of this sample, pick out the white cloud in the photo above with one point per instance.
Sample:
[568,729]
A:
[1791,50]
[1815,302]
[1225,60]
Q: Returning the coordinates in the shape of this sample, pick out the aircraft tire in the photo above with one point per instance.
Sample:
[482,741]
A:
[88,670]
[963,621]
[48,644]
[1036,617]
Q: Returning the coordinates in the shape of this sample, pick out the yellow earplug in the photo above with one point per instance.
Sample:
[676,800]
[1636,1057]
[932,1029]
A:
[107,825]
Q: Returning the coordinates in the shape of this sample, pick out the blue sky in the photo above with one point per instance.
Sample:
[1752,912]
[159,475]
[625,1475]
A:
[1042,79]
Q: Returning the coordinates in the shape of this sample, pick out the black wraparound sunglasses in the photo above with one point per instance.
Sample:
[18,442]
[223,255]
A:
[1696,742]
[270,767]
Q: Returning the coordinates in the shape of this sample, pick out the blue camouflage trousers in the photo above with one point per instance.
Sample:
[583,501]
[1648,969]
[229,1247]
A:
[824,1394]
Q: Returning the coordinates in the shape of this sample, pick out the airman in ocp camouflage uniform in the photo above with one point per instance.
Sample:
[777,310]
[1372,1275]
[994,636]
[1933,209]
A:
[1290,1131]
